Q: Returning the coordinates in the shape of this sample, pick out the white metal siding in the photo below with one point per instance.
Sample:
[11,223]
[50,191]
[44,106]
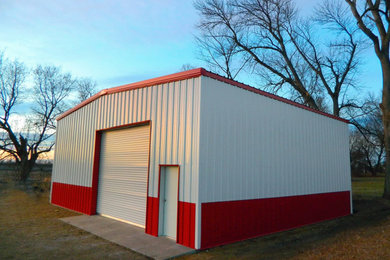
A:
[252,146]
[123,174]
[173,109]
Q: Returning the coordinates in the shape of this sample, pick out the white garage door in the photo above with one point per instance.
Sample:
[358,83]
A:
[123,174]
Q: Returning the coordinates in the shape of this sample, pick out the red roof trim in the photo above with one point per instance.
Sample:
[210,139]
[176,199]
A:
[187,75]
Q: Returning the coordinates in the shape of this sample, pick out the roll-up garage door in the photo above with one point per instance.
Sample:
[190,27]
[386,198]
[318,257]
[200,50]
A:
[123,174]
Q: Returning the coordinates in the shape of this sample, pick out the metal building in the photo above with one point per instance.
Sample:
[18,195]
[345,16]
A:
[201,159]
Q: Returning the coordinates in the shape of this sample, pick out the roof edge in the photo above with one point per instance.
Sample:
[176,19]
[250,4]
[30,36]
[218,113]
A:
[264,93]
[141,84]
[187,75]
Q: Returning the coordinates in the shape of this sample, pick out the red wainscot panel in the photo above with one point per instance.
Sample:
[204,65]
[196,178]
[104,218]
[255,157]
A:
[152,216]
[186,224]
[74,197]
[230,221]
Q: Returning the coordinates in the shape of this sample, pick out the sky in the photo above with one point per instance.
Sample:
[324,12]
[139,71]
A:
[112,42]
[116,42]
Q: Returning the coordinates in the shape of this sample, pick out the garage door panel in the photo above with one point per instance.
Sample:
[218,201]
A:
[118,199]
[114,167]
[124,189]
[119,181]
[123,174]
[117,175]
[119,156]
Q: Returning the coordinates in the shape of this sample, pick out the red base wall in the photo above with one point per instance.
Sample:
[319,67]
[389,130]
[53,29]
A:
[152,216]
[230,221]
[80,198]
[74,197]
[186,224]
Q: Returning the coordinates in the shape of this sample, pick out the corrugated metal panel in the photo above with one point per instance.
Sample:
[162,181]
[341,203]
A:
[174,114]
[123,174]
[252,146]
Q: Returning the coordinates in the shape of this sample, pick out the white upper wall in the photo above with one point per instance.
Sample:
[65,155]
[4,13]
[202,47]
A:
[173,109]
[252,146]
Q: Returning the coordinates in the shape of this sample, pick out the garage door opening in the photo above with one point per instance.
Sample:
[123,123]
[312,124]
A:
[123,174]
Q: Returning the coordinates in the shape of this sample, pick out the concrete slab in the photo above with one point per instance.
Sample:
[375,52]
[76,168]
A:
[129,236]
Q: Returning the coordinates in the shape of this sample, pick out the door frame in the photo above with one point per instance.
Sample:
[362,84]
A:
[96,162]
[158,196]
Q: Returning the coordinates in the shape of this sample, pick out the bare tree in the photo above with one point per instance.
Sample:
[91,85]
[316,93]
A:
[373,19]
[367,145]
[283,49]
[85,89]
[186,66]
[12,76]
[49,92]
[221,54]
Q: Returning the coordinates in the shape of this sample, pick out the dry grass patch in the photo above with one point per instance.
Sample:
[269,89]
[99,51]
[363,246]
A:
[30,229]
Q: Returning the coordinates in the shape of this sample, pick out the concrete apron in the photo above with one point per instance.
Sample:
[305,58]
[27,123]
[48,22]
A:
[129,236]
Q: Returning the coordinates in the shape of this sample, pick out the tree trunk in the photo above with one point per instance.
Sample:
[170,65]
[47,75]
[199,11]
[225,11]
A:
[385,106]
[336,108]
[24,167]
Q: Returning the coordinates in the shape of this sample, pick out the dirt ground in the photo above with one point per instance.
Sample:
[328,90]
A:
[30,229]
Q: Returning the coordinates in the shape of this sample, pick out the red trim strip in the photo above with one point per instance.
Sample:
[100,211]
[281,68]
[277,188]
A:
[148,212]
[146,122]
[187,75]
[231,221]
[95,171]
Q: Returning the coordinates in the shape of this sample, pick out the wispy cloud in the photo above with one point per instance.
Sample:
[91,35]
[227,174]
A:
[99,39]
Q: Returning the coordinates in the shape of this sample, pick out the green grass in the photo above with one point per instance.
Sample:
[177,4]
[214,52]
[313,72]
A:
[367,187]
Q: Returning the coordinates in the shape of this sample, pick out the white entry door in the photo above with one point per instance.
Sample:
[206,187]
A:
[123,174]
[168,200]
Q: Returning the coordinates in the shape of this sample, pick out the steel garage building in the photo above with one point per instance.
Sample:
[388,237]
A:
[201,159]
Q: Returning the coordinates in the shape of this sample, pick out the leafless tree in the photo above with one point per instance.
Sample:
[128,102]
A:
[221,54]
[373,19]
[50,90]
[367,145]
[85,89]
[282,48]
[186,66]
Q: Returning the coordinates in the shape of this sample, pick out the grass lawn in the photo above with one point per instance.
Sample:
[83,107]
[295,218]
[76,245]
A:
[30,229]
[367,187]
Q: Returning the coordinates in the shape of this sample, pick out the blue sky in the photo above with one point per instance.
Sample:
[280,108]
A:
[115,42]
